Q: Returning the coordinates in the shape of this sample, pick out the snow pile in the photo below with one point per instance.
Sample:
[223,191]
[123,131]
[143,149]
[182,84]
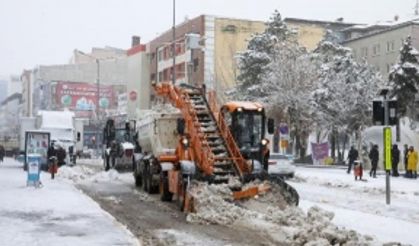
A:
[83,173]
[290,226]
[75,174]
[213,205]
[105,176]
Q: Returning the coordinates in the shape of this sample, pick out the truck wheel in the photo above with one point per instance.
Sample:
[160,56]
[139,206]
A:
[152,189]
[106,162]
[146,185]
[113,161]
[165,194]
[182,194]
[138,180]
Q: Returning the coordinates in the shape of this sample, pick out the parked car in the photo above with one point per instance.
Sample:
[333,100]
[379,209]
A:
[281,165]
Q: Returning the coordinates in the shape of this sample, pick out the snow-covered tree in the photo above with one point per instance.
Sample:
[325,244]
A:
[404,78]
[345,90]
[261,50]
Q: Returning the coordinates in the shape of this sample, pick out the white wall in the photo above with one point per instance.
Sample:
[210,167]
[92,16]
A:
[138,80]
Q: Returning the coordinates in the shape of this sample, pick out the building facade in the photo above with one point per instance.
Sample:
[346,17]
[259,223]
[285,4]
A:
[311,32]
[381,48]
[213,61]
[77,86]
[138,79]
[10,111]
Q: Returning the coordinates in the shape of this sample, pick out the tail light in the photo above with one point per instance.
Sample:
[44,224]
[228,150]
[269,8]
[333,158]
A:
[129,152]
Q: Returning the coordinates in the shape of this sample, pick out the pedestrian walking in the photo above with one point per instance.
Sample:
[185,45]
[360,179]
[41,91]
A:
[373,155]
[395,158]
[2,153]
[352,156]
[412,160]
[52,159]
[405,151]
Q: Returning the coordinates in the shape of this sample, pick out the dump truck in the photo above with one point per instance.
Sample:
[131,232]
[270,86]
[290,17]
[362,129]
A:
[205,143]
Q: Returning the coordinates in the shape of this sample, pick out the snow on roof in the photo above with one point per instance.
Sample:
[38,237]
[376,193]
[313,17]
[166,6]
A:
[56,119]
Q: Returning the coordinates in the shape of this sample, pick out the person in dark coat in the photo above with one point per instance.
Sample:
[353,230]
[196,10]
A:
[374,155]
[61,155]
[405,155]
[52,159]
[395,158]
[2,153]
[51,150]
[352,157]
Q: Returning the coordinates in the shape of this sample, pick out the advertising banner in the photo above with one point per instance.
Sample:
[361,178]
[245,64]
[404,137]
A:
[320,150]
[34,169]
[37,143]
[83,96]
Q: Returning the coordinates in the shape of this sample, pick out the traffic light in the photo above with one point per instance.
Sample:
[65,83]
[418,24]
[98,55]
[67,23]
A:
[378,112]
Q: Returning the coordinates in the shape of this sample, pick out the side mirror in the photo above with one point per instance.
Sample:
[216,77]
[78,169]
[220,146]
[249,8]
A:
[271,126]
[78,136]
[180,126]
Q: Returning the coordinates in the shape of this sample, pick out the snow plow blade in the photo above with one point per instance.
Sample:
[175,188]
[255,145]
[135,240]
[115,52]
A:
[288,192]
[251,191]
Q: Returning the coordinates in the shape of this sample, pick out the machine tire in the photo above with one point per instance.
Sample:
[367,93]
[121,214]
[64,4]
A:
[153,189]
[106,162]
[181,197]
[113,159]
[146,185]
[165,194]
[138,180]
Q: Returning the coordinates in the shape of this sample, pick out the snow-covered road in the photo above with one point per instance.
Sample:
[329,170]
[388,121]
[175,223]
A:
[56,214]
[361,205]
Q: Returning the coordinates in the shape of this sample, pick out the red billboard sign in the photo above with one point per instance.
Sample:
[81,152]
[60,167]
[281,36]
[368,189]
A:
[83,96]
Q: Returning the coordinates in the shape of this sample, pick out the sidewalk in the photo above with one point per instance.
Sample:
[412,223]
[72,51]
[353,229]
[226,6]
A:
[56,214]
[321,166]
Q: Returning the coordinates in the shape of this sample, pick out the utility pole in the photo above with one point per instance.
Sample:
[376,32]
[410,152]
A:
[174,43]
[387,141]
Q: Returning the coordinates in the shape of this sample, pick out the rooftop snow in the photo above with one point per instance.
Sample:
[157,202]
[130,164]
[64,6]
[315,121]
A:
[56,119]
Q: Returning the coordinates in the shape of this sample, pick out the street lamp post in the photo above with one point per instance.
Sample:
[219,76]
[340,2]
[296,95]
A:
[174,43]
[97,105]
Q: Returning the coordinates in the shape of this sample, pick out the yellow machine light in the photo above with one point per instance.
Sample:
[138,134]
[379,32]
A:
[239,109]
[264,142]
[260,109]
[185,141]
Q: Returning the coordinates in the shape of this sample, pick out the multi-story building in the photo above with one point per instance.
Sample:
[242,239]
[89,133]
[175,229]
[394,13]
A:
[311,32]
[14,86]
[3,90]
[381,48]
[27,96]
[138,79]
[207,48]
[10,110]
[76,86]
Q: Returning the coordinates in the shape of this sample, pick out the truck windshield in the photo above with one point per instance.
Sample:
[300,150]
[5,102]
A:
[121,135]
[249,129]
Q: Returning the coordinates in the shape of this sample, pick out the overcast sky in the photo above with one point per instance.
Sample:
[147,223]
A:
[43,32]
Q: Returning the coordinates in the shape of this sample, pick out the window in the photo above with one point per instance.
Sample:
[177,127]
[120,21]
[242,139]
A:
[160,76]
[364,51]
[195,64]
[354,53]
[160,55]
[390,46]
[376,50]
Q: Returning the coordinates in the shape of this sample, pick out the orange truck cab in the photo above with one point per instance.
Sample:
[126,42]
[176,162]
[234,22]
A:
[247,123]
